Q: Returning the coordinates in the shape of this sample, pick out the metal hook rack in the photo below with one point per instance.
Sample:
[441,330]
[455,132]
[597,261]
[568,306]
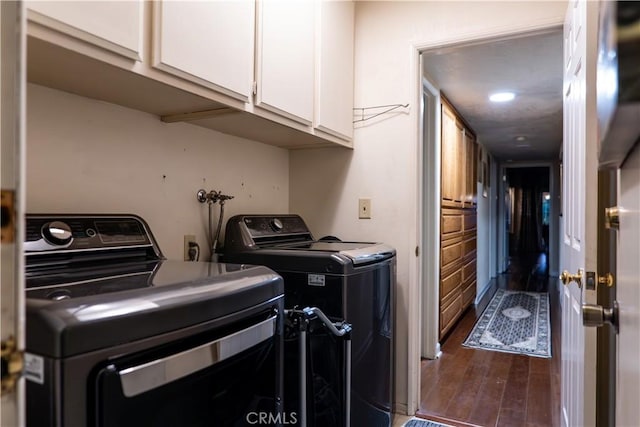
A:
[388,108]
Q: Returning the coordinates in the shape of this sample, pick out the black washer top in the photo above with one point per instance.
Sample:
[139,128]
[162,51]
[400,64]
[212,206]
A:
[252,239]
[133,306]
[96,281]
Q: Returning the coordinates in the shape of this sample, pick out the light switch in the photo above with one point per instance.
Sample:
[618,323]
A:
[364,208]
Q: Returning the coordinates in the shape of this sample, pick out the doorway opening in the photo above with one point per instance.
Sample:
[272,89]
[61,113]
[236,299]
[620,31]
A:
[527,223]
[478,386]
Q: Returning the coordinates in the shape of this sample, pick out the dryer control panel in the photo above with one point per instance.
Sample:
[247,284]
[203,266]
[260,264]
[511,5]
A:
[65,233]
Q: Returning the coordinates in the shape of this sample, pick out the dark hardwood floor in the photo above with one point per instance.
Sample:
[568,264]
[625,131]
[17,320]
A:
[488,388]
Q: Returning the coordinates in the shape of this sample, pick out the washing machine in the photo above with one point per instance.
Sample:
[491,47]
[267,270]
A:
[348,281]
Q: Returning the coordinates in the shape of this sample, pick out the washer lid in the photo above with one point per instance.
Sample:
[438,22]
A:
[177,295]
[357,252]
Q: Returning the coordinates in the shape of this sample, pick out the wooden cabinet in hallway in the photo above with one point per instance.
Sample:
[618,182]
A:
[458,219]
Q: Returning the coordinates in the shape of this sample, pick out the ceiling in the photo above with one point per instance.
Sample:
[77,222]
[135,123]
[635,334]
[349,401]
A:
[531,67]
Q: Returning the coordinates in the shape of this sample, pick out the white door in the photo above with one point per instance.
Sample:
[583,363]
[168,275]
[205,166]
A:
[628,292]
[12,86]
[579,208]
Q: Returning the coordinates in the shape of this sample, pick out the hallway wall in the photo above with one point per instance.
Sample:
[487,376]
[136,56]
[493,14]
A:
[487,234]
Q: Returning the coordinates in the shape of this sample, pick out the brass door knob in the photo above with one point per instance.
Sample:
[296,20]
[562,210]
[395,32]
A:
[612,218]
[606,279]
[567,277]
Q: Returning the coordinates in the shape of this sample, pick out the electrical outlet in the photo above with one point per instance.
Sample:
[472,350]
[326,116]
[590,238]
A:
[188,238]
[364,208]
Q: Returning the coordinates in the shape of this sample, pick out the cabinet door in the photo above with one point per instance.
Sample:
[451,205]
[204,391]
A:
[449,156]
[208,42]
[285,58]
[461,164]
[334,66]
[111,25]
[471,169]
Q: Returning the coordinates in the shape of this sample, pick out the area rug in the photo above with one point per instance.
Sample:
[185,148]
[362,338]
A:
[514,322]
[419,422]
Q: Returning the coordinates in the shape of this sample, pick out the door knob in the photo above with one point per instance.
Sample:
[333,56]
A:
[567,277]
[596,315]
[606,279]
[612,218]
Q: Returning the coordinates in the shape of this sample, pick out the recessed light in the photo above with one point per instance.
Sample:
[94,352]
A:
[502,96]
[521,138]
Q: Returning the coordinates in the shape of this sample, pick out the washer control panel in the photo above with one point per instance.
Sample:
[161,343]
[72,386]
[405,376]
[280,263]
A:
[79,232]
[259,226]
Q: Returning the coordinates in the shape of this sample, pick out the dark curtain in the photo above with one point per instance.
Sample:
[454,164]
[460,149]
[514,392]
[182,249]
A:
[528,236]
[529,185]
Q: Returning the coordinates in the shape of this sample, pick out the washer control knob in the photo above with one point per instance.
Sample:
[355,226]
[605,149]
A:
[276,224]
[57,233]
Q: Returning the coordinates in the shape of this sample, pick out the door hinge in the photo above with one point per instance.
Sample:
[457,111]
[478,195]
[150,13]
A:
[417,250]
[254,88]
[12,365]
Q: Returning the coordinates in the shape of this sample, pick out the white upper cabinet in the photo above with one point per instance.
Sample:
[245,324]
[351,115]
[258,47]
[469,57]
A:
[112,25]
[334,69]
[285,58]
[276,71]
[207,42]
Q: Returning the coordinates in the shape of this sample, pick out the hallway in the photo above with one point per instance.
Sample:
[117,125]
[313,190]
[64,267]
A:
[487,388]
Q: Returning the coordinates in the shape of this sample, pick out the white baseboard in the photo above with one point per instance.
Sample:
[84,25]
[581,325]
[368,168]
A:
[400,408]
[483,292]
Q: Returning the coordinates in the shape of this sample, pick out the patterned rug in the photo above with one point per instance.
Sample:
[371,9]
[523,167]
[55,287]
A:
[514,322]
[419,422]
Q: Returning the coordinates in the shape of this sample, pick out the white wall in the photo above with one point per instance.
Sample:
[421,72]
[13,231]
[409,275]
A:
[486,238]
[89,156]
[326,183]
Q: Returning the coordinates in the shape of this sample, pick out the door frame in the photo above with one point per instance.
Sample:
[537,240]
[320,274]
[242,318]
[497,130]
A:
[12,181]
[430,202]
[425,298]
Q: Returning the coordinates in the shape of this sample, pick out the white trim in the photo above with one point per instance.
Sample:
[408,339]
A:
[429,229]
[415,271]
[415,292]
[400,408]
[490,35]
[483,292]
[13,26]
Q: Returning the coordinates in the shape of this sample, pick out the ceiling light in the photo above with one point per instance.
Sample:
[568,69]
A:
[502,96]
[521,138]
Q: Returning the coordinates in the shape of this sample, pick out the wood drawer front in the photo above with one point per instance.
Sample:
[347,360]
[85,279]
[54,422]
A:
[449,314]
[470,221]
[469,294]
[450,283]
[451,254]
[454,204]
[469,270]
[450,224]
[469,247]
